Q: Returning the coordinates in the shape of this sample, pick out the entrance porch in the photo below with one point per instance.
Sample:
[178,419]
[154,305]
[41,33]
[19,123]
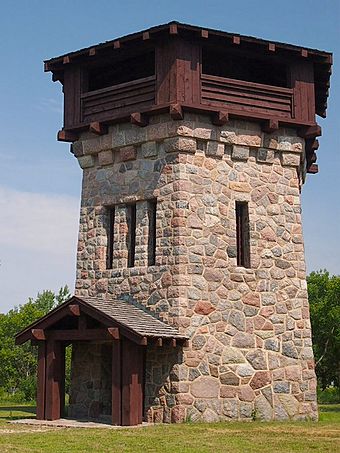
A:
[109,339]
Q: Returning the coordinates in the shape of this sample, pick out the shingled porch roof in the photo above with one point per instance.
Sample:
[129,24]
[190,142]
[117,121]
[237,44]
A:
[138,324]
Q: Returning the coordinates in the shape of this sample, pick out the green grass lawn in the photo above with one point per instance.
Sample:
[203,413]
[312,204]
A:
[234,437]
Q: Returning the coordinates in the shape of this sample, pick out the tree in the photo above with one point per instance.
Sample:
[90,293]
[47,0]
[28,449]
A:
[324,300]
[19,363]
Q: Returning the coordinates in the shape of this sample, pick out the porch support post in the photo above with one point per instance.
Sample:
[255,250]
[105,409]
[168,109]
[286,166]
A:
[53,380]
[132,383]
[41,381]
[62,379]
[116,383]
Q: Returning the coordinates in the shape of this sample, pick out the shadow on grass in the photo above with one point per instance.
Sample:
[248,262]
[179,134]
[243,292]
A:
[11,412]
[329,407]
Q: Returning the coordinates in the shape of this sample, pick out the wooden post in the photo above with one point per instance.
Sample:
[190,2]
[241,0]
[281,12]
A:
[116,383]
[62,379]
[41,381]
[53,380]
[72,93]
[302,81]
[132,383]
[178,69]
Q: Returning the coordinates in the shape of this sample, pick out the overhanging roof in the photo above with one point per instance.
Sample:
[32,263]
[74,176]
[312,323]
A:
[322,60]
[131,320]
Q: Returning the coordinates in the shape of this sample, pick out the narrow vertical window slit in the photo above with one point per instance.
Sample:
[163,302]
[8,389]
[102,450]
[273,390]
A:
[152,212]
[242,234]
[110,237]
[131,220]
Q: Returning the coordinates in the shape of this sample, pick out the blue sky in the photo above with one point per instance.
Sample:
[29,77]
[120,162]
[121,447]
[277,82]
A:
[40,180]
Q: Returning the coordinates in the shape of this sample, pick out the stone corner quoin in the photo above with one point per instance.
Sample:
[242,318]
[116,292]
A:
[250,352]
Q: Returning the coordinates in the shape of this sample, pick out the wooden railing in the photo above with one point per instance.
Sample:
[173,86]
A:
[127,97]
[238,95]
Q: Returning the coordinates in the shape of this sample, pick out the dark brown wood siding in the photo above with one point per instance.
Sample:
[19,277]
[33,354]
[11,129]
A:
[178,72]
[178,84]
[132,383]
[302,82]
[72,93]
[119,99]
[238,95]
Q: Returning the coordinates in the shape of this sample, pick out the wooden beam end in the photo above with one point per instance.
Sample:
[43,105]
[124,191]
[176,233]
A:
[38,334]
[74,310]
[315,145]
[98,128]
[66,136]
[313,169]
[220,118]
[270,126]
[176,112]
[310,132]
[114,332]
[138,119]
[173,30]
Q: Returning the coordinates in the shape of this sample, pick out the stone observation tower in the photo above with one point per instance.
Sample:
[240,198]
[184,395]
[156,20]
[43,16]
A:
[191,296]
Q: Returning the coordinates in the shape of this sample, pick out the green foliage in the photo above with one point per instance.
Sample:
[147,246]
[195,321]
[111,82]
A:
[330,395]
[19,363]
[324,300]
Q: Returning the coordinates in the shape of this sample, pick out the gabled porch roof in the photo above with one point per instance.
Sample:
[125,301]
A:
[137,324]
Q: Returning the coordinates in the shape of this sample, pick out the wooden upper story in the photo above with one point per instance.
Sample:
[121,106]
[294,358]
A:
[177,67]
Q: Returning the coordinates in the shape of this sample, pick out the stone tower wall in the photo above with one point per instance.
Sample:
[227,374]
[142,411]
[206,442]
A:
[250,353]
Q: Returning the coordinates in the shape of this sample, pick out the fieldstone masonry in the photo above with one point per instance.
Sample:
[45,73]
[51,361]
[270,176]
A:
[250,352]
[91,379]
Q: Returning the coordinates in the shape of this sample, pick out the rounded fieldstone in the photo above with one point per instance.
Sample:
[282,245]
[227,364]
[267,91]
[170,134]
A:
[205,387]
[281,387]
[289,350]
[210,416]
[260,379]
[198,342]
[229,378]
[263,410]
[272,344]
[232,355]
[193,374]
[237,319]
[246,393]
[245,370]
[178,414]
[243,340]
[257,359]
[232,251]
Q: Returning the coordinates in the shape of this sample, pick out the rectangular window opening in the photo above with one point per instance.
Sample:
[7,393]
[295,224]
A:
[131,239]
[242,234]
[110,237]
[114,72]
[152,213]
[266,71]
